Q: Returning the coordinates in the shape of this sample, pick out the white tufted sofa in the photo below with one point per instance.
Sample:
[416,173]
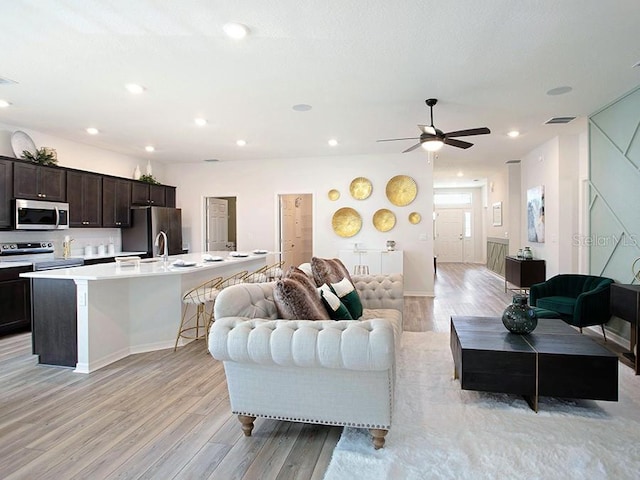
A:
[324,371]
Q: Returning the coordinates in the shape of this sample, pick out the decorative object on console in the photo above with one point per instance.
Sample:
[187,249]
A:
[360,188]
[346,222]
[519,317]
[415,218]
[391,245]
[527,254]
[333,194]
[401,190]
[384,220]
[535,214]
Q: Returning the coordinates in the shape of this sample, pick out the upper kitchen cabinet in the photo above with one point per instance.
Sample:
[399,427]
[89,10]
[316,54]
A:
[148,194]
[116,202]
[170,197]
[84,195]
[38,182]
[6,188]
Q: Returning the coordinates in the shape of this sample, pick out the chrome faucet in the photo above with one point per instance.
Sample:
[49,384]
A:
[165,252]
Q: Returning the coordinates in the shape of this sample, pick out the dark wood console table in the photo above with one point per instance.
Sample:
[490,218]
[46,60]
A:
[625,304]
[523,273]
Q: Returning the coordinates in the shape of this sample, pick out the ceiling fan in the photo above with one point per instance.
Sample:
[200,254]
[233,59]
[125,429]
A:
[432,139]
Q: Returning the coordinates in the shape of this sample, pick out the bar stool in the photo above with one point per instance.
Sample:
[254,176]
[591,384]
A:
[259,276]
[199,297]
[274,272]
[361,269]
[234,279]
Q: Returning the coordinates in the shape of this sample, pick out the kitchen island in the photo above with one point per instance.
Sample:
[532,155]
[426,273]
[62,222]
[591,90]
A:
[88,317]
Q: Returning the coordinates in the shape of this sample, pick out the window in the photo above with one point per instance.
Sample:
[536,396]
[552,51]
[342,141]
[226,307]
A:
[467,224]
[452,198]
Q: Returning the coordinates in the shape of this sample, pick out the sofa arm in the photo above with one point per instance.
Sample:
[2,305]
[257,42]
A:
[346,344]
[380,291]
[592,307]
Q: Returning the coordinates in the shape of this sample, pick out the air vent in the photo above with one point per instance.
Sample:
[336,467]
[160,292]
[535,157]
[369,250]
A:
[555,120]
[7,81]
[512,161]
[212,160]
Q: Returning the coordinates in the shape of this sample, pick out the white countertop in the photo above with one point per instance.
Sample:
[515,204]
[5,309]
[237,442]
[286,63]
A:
[108,255]
[147,267]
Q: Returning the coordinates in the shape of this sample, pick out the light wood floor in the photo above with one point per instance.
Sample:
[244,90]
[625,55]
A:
[166,415]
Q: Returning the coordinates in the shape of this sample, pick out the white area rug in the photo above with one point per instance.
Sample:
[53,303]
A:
[442,432]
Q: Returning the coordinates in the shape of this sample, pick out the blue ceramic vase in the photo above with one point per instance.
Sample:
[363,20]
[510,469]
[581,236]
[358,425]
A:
[519,317]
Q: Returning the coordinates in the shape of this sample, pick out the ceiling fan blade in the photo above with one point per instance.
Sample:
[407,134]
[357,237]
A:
[394,139]
[411,149]
[427,129]
[469,132]
[457,143]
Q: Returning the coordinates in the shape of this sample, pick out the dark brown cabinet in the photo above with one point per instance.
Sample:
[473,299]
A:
[148,194]
[38,182]
[170,197]
[84,195]
[523,273]
[116,202]
[6,189]
[15,298]
[625,304]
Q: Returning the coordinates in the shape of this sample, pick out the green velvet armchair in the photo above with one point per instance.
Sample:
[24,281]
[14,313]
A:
[579,300]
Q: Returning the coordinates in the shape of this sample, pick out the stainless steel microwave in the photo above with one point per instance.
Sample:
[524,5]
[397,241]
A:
[41,215]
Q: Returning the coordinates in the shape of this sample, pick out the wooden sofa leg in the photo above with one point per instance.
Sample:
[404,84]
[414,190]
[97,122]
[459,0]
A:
[378,437]
[247,424]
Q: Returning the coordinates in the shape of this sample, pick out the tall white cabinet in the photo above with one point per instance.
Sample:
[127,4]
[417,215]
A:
[378,261]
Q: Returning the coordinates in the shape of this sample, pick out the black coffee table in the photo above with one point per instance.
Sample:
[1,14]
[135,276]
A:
[554,360]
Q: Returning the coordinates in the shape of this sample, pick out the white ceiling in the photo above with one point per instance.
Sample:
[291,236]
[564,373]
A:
[365,67]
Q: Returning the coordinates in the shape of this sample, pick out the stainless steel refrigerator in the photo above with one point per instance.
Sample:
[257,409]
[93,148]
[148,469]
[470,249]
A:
[146,223]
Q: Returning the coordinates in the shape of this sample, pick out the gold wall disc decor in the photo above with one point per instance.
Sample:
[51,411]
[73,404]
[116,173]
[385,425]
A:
[401,190]
[360,188]
[346,222]
[415,218]
[384,220]
[333,194]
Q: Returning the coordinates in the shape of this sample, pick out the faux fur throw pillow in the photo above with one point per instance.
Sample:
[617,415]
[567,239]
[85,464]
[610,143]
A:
[328,270]
[297,298]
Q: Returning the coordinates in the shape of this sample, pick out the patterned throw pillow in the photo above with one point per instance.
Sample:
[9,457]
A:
[348,295]
[297,298]
[337,310]
[328,270]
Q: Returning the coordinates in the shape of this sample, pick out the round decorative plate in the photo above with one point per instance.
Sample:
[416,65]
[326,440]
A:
[360,188]
[20,142]
[384,220]
[401,190]
[346,222]
[333,194]
[415,218]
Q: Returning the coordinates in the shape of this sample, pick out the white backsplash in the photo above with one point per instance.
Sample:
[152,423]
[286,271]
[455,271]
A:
[82,237]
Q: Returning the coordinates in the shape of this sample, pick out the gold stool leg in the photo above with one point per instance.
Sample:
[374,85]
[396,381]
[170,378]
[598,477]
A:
[184,315]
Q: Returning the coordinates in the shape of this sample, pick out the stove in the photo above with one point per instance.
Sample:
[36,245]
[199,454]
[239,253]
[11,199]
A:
[40,254]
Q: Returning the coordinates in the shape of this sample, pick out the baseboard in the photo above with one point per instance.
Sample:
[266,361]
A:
[420,293]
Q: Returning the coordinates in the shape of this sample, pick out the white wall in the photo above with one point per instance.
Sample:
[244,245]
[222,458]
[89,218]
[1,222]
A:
[556,166]
[257,184]
[515,207]
[498,191]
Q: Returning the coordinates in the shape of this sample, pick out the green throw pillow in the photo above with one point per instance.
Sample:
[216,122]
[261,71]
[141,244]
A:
[337,310]
[347,293]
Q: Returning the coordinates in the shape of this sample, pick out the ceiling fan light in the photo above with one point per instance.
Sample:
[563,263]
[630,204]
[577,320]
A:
[432,145]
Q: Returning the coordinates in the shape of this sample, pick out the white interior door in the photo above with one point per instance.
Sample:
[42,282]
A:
[217,224]
[296,229]
[449,240]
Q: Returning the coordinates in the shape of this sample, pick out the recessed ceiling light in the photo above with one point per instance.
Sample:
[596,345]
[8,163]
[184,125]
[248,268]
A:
[150,148]
[513,133]
[201,122]
[241,143]
[92,131]
[4,103]
[134,88]
[559,90]
[459,174]
[302,107]
[237,31]
[333,142]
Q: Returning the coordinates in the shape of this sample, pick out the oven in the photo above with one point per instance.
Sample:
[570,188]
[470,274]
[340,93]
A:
[39,254]
[40,215]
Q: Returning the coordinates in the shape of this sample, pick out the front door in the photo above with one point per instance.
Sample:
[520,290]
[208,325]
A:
[449,240]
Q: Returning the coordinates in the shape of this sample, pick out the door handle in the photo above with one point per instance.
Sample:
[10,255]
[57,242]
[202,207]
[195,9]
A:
[460,237]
